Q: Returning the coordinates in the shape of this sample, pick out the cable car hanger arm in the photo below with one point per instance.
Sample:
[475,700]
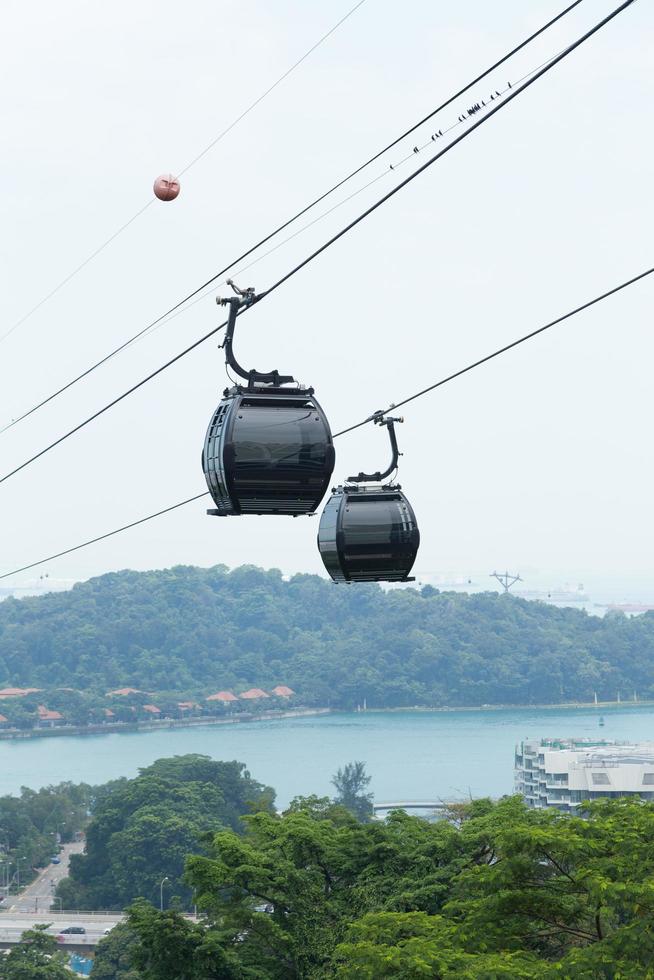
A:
[380,419]
[243,299]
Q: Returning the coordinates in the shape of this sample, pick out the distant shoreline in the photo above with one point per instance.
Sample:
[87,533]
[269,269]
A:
[111,728]
[247,717]
[527,707]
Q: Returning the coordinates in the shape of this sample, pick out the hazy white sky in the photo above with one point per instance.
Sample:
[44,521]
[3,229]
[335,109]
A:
[540,461]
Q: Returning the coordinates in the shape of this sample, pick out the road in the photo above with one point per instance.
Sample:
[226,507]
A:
[96,924]
[38,896]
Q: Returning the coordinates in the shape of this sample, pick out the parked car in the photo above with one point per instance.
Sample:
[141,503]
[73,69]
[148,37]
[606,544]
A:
[70,931]
[55,859]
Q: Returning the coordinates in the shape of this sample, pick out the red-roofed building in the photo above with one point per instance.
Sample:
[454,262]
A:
[187,705]
[282,691]
[224,696]
[47,718]
[123,692]
[18,692]
[253,694]
[3,721]
[152,709]
[108,713]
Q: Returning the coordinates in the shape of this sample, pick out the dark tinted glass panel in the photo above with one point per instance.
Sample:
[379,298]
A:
[380,539]
[286,437]
[280,459]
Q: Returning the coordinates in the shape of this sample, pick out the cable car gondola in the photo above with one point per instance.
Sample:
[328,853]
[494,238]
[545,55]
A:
[369,533]
[268,448]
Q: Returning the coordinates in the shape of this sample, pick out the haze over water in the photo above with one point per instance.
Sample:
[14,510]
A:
[410,755]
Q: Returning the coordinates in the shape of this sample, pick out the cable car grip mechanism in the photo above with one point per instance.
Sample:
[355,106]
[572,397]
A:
[380,419]
[243,299]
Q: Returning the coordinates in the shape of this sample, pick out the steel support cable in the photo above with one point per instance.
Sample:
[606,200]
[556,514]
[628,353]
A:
[289,221]
[345,200]
[499,351]
[480,122]
[109,534]
[181,309]
[188,166]
[407,180]
[357,425]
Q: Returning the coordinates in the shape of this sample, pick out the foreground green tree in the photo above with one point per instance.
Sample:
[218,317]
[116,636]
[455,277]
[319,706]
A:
[502,892]
[413,946]
[171,946]
[291,886]
[143,829]
[113,955]
[578,892]
[36,958]
[351,784]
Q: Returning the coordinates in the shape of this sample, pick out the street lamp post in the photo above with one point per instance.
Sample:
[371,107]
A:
[18,860]
[163,882]
[5,860]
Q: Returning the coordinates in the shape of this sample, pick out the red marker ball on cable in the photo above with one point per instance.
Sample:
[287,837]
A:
[166,187]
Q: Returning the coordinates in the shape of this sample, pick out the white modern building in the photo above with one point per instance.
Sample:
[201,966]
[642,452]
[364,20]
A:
[561,773]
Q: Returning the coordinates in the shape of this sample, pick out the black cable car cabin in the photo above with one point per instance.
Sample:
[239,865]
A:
[268,449]
[369,533]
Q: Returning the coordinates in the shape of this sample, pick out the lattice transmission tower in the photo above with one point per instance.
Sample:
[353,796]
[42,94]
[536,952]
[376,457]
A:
[506,579]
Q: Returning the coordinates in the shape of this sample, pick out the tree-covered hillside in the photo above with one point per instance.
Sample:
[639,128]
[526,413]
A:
[198,630]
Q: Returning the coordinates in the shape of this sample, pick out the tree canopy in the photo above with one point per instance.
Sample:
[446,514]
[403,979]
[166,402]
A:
[143,829]
[351,785]
[195,630]
[504,892]
[35,958]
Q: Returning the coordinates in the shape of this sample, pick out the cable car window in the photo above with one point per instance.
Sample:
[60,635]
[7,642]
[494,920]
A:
[292,436]
[377,522]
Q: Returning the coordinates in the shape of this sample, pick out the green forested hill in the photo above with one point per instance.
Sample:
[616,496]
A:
[198,630]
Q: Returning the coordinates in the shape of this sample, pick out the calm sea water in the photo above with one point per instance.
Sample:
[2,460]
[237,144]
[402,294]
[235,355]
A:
[410,755]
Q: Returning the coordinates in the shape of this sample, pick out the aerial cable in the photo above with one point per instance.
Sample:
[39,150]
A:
[498,352]
[480,122]
[109,534]
[184,170]
[301,265]
[194,297]
[371,418]
[463,119]
[281,227]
